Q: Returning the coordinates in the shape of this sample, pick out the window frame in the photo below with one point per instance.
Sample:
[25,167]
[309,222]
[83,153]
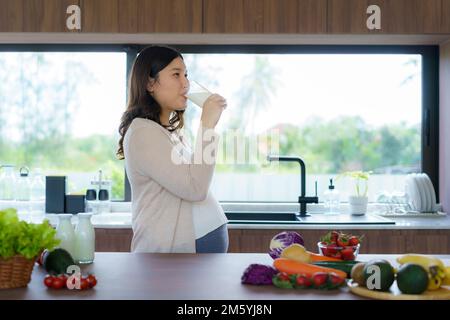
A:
[430,79]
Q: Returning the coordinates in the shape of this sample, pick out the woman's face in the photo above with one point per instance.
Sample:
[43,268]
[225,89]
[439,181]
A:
[171,87]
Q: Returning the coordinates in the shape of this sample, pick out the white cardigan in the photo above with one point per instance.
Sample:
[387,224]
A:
[163,191]
[208,214]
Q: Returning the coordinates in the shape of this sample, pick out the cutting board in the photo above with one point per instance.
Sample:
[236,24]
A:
[394,293]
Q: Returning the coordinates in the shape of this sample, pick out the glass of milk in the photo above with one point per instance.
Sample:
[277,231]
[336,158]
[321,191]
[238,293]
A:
[198,93]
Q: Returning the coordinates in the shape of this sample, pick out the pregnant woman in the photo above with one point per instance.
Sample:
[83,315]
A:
[172,207]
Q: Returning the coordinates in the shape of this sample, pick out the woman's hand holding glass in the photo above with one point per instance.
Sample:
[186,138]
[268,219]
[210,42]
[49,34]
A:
[212,110]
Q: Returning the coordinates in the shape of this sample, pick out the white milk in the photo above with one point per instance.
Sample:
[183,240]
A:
[199,98]
[84,239]
[65,233]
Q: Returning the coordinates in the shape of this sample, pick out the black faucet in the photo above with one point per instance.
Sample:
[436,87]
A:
[302,199]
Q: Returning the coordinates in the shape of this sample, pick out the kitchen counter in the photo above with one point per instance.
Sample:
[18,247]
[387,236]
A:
[122,220]
[148,276]
[120,217]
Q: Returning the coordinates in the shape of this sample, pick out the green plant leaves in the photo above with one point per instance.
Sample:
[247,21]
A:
[20,237]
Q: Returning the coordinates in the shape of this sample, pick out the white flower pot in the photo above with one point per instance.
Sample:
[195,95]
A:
[358,205]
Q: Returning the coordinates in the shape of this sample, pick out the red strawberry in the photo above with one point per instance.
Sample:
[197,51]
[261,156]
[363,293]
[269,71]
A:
[320,279]
[347,254]
[334,236]
[332,249]
[353,241]
[342,241]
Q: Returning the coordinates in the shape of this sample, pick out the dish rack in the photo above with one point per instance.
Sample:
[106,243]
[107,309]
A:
[413,214]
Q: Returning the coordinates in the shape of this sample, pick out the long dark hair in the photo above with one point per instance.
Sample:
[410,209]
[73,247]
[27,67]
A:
[141,104]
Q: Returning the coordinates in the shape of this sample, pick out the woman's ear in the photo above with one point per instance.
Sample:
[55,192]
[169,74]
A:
[150,85]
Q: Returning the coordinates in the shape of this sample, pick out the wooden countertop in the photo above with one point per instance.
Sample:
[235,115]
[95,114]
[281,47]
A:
[142,276]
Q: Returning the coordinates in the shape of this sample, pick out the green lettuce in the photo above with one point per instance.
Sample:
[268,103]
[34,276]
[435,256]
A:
[22,238]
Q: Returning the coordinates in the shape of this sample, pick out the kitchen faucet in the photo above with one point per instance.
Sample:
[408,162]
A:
[302,199]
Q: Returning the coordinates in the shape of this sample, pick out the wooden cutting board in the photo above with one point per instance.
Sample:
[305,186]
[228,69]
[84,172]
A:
[394,293]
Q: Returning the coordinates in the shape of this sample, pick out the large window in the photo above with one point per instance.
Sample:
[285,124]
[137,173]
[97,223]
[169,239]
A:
[60,111]
[338,111]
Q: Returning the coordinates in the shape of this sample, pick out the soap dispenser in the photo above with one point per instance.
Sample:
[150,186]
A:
[332,202]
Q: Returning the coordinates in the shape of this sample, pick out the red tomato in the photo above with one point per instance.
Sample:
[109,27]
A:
[283,276]
[84,284]
[335,280]
[48,280]
[303,281]
[57,283]
[348,254]
[63,278]
[92,281]
[319,279]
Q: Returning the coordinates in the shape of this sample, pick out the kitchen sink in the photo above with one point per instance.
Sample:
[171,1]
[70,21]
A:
[252,217]
[259,217]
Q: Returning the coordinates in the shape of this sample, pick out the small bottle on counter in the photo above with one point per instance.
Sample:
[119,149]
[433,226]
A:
[91,201]
[23,185]
[84,239]
[104,205]
[332,202]
[65,233]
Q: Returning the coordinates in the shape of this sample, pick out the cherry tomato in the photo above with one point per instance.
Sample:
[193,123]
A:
[92,281]
[303,281]
[320,279]
[283,276]
[57,283]
[335,280]
[84,284]
[63,278]
[48,280]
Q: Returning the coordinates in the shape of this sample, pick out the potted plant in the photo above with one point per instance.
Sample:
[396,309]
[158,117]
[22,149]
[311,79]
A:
[20,245]
[358,202]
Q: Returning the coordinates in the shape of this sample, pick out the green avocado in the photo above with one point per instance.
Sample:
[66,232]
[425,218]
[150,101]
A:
[57,261]
[412,279]
[387,275]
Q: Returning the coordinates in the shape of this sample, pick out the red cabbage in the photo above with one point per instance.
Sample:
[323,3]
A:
[283,240]
[258,274]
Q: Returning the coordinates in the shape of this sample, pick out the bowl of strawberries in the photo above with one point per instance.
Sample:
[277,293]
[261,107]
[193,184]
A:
[339,245]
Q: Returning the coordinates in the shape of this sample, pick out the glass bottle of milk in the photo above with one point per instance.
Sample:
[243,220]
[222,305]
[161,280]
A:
[65,232]
[84,239]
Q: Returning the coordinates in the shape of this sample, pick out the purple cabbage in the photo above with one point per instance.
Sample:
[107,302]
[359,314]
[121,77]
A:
[258,274]
[283,240]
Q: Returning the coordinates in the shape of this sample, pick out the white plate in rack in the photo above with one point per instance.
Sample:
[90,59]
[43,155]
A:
[426,196]
[421,191]
[432,191]
[412,190]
